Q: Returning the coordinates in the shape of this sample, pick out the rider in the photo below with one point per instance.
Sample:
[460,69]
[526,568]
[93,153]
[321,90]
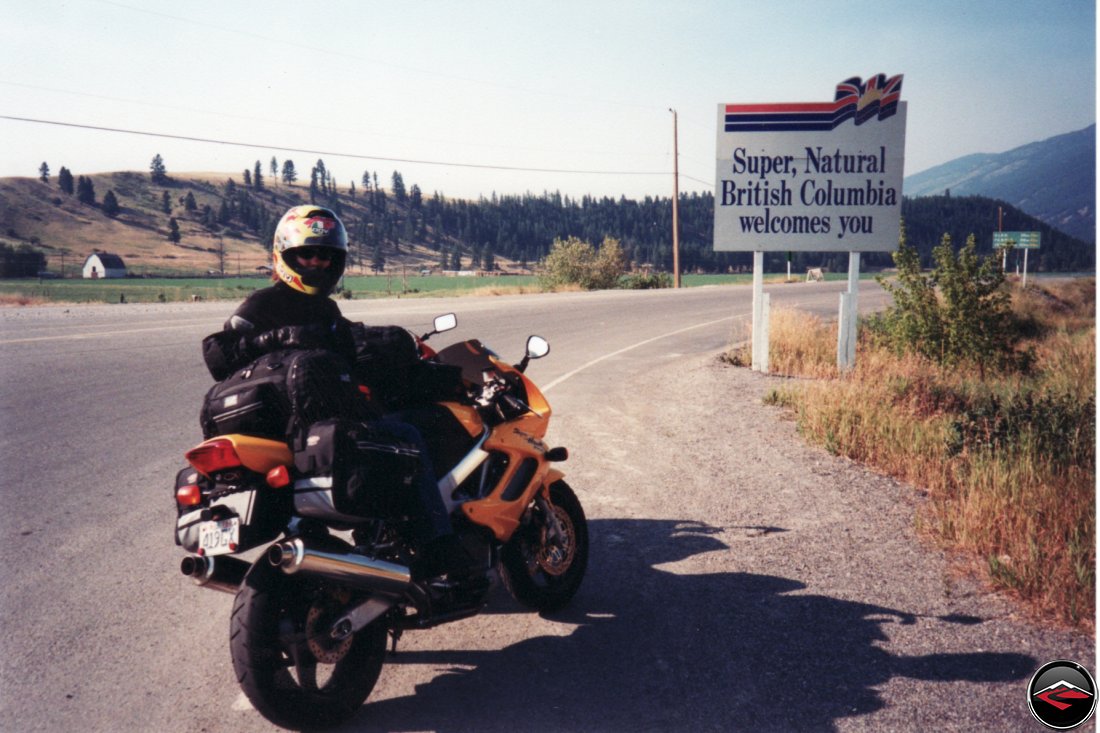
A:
[310,252]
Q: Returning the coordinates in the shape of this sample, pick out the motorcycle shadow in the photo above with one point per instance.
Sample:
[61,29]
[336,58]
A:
[655,650]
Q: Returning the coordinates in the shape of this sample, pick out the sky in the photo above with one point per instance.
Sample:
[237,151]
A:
[473,98]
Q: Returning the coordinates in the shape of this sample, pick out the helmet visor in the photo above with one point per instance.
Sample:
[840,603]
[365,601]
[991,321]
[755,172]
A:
[307,255]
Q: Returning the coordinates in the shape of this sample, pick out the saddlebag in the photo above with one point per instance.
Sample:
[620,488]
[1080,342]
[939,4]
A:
[351,470]
[280,392]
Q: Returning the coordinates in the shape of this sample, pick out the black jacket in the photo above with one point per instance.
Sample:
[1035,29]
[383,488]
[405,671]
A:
[277,317]
[281,305]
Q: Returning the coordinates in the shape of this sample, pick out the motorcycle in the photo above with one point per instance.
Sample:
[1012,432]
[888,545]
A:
[315,612]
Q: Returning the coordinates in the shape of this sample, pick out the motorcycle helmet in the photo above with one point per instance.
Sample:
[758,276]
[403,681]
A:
[310,250]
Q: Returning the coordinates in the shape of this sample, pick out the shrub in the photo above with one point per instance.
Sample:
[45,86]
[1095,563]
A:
[645,281]
[957,313]
[575,262]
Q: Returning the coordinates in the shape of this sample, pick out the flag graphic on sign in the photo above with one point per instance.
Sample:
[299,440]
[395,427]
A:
[877,98]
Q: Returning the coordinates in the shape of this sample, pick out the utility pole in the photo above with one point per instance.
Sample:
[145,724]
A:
[1001,228]
[675,201]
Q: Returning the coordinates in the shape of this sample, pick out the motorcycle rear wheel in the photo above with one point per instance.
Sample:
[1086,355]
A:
[544,573]
[295,676]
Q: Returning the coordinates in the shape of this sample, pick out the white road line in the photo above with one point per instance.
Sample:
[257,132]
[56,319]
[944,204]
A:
[582,367]
[94,334]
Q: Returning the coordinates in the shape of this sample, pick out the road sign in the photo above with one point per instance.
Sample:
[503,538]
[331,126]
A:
[1019,240]
[813,176]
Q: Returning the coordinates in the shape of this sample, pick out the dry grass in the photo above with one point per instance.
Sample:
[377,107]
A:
[1008,464]
[17,299]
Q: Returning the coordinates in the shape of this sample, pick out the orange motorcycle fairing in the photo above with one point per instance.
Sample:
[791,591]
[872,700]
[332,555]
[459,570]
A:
[502,510]
[466,416]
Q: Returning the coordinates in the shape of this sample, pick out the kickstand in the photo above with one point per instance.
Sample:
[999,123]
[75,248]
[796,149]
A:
[395,634]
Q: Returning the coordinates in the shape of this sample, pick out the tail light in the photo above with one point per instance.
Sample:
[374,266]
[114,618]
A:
[213,456]
[189,495]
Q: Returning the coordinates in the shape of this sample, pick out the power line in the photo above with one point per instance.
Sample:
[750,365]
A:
[691,178]
[307,151]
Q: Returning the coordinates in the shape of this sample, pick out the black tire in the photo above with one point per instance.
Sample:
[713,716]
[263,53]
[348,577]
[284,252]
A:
[275,661]
[543,574]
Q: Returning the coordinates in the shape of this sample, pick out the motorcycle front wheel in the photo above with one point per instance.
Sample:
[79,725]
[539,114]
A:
[296,675]
[544,562]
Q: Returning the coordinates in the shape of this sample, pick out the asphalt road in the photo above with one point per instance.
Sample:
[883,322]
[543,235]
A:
[102,633]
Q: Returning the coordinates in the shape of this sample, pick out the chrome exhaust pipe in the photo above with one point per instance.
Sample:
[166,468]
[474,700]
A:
[222,573]
[364,573]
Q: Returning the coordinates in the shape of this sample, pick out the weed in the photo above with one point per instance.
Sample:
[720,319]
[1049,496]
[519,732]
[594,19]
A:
[1006,456]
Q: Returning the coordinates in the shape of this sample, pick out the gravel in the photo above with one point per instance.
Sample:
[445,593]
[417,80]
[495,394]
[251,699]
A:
[790,584]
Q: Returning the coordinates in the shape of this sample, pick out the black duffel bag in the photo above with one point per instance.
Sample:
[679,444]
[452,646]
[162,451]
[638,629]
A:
[353,468]
[281,393]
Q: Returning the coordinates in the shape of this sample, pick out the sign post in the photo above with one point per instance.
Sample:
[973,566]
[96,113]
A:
[1021,240]
[812,177]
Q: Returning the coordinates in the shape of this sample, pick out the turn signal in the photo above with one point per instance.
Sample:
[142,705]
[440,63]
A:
[213,455]
[557,454]
[278,477]
[189,495]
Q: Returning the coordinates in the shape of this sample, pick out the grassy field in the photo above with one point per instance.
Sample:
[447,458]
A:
[1006,466]
[153,290]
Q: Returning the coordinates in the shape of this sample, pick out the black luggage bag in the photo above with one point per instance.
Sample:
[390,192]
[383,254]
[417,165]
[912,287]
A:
[281,392]
[354,469]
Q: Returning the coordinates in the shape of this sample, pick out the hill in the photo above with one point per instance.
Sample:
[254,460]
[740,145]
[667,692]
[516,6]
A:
[226,223]
[1053,180]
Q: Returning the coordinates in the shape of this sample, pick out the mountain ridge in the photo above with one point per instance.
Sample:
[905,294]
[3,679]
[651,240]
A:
[1053,179]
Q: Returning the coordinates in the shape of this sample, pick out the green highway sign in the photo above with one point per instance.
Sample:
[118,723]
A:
[1019,240]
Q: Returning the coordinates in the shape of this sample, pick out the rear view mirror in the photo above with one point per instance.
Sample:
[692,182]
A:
[445,322]
[537,347]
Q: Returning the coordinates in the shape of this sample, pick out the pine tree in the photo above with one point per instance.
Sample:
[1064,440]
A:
[415,197]
[157,171]
[351,190]
[258,177]
[166,203]
[85,191]
[189,202]
[110,204]
[247,178]
[173,231]
[65,180]
[398,187]
[44,172]
[289,174]
[274,169]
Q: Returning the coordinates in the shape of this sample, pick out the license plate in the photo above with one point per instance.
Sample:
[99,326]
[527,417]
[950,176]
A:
[220,537]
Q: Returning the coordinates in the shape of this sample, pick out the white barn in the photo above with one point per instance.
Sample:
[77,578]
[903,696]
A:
[102,264]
